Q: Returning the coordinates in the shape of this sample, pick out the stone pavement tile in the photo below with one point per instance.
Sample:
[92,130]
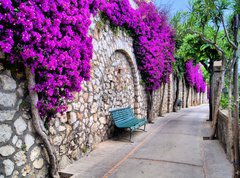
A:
[186,127]
[173,147]
[216,163]
[99,160]
[137,168]
[206,129]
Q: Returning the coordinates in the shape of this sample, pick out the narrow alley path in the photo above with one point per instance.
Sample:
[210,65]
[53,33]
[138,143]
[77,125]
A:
[173,147]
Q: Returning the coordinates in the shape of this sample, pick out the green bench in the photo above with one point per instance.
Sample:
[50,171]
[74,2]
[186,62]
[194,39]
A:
[125,118]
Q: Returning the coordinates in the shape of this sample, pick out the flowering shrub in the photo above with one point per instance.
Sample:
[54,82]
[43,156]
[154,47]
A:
[50,37]
[202,83]
[194,77]
[190,73]
[153,38]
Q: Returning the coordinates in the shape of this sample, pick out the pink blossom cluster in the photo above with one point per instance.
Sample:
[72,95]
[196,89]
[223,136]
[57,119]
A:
[50,37]
[153,38]
[194,77]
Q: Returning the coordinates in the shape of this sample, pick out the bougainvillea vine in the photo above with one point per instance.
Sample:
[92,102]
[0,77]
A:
[194,77]
[51,37]
[153,38]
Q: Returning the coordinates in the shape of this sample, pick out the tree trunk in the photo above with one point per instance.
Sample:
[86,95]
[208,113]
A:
[36,120]
[210,99]
[177,97]
[200,98]
[161,103]
[235,121]
[149,106]
[230,122]
[187,98]
[210,92]
[183,93]
[210,102]
[217,104]
[235,100]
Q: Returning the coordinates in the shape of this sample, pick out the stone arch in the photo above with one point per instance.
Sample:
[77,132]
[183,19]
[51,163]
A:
[105,45]
[135,77]
[136,80]
[119,87]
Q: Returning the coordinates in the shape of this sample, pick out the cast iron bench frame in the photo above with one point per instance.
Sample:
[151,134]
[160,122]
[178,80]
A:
[125,118]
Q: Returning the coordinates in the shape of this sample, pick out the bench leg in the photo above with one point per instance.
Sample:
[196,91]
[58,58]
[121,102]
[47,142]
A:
[118,134]
[130,136]
[144,128]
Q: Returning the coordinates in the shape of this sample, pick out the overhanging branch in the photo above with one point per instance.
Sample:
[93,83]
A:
[227,35]
[204,65]
[207,41]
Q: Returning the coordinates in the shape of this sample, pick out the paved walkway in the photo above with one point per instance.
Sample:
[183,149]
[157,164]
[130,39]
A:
[173,147]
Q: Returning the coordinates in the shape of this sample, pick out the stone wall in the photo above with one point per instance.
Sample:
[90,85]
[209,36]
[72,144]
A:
[21,152]
[164,97]
[223,133]
[168,94]
[115,82]
[156,103]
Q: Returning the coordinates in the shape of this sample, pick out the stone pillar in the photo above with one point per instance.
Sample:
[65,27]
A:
[200,98]
[192,101]
[184,91]
[190,97]
[215,81]
[180,90]
[170,94]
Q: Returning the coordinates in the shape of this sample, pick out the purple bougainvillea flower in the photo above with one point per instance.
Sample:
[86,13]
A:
[51,37]
[194,76]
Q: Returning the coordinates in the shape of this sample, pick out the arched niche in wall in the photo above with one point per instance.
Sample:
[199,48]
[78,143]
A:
[120,83]
[115,82]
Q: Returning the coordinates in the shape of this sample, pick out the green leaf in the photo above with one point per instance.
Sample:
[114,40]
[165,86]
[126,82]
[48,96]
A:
[16,10]
[204,46]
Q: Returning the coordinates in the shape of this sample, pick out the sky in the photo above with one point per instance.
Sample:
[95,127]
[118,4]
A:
[174,5]
[239,66]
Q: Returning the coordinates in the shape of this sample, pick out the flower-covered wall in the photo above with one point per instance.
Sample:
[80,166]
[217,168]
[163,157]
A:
[115,82]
